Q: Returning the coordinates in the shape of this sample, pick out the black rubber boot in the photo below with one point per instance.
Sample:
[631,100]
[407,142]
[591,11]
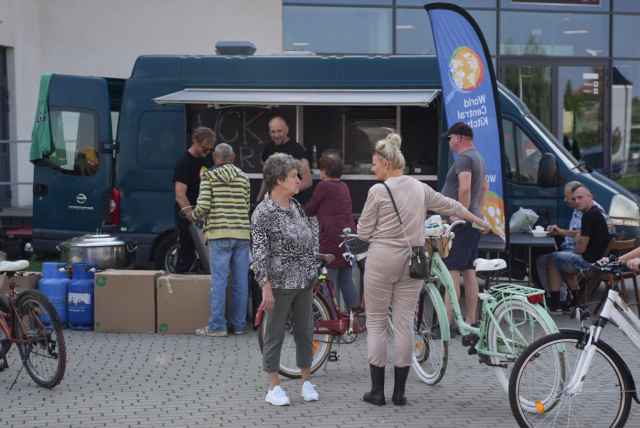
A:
[376,395]
[400,374]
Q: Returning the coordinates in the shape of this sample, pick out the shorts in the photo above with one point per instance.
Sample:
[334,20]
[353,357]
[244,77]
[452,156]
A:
[464,249]
[568,262]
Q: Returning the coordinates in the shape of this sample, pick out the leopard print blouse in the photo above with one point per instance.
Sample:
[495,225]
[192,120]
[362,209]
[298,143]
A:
[282,245]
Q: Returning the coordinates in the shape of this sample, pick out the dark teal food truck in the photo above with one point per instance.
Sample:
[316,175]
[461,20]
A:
[117,140]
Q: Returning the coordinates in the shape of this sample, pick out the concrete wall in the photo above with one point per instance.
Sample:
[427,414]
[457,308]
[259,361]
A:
[104,38]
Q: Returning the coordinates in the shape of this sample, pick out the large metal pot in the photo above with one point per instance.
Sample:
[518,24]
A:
[107,251]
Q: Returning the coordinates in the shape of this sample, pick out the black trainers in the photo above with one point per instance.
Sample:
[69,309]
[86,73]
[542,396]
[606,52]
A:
[563,308]
[555,310]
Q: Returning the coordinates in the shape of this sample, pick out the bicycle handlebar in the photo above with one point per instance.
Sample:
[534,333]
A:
[613,266]
[346,235]
[466,223]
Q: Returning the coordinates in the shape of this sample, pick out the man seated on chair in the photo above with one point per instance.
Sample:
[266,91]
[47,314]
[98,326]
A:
[569,243]
[595,234]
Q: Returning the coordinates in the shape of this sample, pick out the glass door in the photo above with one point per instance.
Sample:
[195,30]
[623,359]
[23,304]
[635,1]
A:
[570,101]
[581,106]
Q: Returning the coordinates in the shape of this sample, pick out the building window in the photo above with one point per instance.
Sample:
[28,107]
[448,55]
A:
[338,30]
[414,36]
[554,34]
[625,42]
[626,6]
[625,126]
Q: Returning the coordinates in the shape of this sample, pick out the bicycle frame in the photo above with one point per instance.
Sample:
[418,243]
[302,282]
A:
[337,325]
[610,313]
[488,301]
[11,315]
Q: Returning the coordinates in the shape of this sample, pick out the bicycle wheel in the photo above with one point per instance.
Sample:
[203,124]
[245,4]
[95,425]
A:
[547,366]
[321,343]
[4,341]
[521,325]
[430,351]
[43,352]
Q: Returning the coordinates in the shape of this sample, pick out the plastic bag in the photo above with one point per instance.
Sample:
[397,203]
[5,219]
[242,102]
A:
[522,220]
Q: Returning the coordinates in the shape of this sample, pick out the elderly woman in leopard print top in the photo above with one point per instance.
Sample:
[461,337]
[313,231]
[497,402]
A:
[284,266]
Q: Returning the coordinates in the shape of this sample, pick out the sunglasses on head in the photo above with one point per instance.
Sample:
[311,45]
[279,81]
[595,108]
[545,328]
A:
[379,153]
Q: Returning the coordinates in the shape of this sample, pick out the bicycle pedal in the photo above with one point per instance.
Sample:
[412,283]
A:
[470,340]
[333,356]
[357,309]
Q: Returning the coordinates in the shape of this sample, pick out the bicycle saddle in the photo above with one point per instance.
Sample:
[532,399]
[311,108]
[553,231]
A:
[7,266]
[327,258]
[484,265]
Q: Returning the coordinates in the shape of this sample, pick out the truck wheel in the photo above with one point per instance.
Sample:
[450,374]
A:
[166,253]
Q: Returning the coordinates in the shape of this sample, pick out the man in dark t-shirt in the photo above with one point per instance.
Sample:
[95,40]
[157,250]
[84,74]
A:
[282,143]
[186,176]
[595,234]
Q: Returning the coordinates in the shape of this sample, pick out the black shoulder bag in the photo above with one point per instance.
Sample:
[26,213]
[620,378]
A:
[419,263]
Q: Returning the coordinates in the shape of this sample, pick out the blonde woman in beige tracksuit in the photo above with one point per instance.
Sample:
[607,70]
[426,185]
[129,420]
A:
[386,278]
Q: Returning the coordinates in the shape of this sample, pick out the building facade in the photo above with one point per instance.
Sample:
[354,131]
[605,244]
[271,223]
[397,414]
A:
[104,38]
[575,63]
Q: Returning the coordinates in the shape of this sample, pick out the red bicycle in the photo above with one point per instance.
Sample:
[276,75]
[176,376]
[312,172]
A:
[329,323]
[30,320]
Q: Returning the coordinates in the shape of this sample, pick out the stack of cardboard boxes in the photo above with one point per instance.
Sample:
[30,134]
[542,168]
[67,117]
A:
[131,301]
[140,301]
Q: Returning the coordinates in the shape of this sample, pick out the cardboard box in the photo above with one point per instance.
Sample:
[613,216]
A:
[182,303]
[27,281]
[125,301]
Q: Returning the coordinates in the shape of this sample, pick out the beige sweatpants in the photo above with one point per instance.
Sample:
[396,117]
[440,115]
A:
[387,281]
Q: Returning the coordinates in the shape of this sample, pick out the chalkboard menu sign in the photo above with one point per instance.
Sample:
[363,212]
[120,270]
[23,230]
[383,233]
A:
[245,128]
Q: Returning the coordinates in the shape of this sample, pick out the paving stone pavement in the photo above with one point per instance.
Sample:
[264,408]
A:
[154,380]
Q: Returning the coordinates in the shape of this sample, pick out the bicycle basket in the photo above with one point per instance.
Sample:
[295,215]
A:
[441,243]
[356,246]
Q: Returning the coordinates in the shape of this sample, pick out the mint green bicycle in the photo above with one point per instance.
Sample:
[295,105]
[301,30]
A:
[512,317]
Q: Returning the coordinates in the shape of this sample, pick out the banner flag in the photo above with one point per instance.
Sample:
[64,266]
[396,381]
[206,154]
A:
[471,95]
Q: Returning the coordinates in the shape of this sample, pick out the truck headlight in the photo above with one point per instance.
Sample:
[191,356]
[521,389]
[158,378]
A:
[624,211]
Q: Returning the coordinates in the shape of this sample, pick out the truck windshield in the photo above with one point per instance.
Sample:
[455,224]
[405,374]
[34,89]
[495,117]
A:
[561,152]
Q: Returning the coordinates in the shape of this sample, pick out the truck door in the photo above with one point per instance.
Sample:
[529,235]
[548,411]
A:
[523,157]
[72,185]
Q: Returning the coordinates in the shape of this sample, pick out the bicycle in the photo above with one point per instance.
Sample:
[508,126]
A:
[329,322]
[23,320]
[512,317]
[574,378]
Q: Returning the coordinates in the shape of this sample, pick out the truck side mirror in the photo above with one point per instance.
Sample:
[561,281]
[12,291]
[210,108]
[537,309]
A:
[548,171]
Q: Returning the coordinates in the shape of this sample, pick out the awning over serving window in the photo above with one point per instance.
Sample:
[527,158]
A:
[380,97]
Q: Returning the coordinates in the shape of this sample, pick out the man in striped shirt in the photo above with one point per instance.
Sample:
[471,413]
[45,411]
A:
[224,203]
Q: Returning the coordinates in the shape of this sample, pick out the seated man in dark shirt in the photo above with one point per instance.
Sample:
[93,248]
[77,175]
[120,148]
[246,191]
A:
[594,237]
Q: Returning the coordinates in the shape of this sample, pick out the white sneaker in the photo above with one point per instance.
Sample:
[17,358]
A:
[207,332]
[278,397]
[308,392]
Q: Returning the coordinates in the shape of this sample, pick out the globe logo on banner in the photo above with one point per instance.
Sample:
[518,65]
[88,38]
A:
[466,69]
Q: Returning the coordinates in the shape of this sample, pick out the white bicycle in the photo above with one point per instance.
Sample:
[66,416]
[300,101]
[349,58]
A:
[573,378]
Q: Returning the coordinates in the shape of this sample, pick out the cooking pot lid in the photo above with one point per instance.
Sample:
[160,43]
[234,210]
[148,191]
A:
[94,241]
